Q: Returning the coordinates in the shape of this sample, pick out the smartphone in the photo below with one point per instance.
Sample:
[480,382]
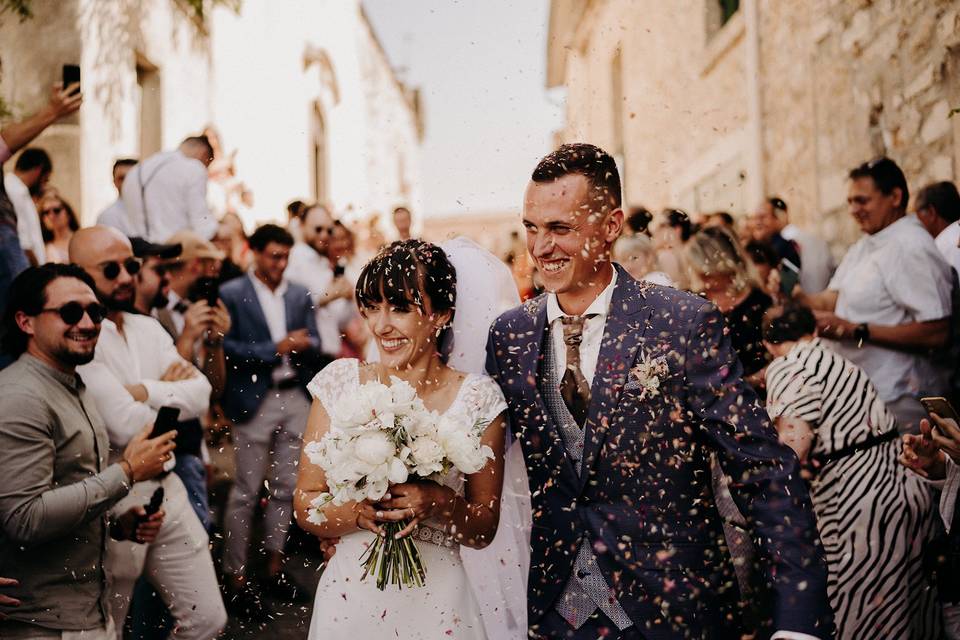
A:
[208,289]
[789,277]
[71,75]
[339,270]
[166,421]
[156,500]
[941,407]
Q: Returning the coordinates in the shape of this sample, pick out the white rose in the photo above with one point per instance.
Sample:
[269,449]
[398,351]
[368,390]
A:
[461,443]
[427,456]
[373,448]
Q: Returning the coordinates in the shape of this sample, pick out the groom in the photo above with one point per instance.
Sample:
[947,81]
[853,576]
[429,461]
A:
[619,392]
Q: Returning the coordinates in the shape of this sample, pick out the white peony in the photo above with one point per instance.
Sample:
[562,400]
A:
[374,448]
[427,456]
[461,442]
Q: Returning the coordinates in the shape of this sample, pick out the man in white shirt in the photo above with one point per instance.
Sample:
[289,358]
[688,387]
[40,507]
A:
[167,192]
[31,173]
[135,372]
[116,215]
[309,266]
[888,305]
[938,210]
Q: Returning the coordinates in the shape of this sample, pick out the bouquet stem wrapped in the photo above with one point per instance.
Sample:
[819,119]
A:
[394,561]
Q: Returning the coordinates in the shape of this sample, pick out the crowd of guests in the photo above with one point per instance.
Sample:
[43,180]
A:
[127,342]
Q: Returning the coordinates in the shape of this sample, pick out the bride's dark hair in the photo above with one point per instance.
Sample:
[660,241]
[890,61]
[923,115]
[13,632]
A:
[406,274]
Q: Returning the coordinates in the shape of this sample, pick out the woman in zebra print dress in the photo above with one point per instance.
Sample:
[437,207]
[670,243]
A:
[874,516]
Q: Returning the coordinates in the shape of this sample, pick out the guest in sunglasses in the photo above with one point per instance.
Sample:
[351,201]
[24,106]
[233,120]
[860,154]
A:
[136,371]
[153,282]
[59,222]
[57,484]
[311,267]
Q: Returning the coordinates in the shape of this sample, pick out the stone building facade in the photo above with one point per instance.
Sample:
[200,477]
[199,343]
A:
[301,91]
[711,104]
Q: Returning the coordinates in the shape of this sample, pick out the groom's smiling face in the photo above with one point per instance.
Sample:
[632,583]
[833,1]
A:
[569,232]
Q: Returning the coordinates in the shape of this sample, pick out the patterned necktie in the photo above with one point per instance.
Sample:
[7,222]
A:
[573,385]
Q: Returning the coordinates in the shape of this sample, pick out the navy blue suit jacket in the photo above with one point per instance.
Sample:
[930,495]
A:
[644,498]
[251,354]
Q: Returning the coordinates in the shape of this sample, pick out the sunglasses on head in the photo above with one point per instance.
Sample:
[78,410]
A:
[112,269]
[72,312]
[51,211]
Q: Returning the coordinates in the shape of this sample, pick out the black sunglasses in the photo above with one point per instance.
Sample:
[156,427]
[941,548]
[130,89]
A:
[112,269]
[72,312]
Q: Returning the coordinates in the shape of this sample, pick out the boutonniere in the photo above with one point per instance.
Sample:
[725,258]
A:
[533,306]
[648,372]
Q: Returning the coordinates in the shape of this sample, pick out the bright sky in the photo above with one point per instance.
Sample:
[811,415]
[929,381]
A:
[481,69]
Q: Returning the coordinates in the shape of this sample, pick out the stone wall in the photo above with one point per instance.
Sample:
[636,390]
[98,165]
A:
[840,81]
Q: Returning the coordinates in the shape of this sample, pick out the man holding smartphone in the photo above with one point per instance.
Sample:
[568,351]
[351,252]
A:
[57,485]
[135,372]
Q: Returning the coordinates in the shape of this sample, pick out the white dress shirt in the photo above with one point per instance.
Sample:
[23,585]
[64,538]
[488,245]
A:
[312,270]
[816,260]
[593,326]
[141,355]
[116,216]
[275,312]
[28,220]
[175,190]
[892,277]
[947,242]
[596,320]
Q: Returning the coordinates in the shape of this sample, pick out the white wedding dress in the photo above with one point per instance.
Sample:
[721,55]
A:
[349,608]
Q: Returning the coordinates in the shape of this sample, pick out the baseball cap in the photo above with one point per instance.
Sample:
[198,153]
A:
[143,248]
[194,246]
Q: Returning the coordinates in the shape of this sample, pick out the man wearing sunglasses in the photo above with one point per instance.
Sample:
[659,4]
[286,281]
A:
[135,372]
[309,266]
[56,486]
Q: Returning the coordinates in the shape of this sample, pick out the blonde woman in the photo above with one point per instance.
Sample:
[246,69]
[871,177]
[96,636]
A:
[722,273]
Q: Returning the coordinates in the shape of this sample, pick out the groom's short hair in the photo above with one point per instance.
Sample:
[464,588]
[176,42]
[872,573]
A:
[587,160]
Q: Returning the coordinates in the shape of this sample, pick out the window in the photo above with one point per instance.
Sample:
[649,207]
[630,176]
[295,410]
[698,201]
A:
[727,9]
[318,155]
[617,98]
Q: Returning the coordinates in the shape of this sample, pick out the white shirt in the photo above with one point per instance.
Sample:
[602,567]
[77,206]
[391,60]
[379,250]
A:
[816,260]
[593,326]
[116,216]
[175,189]
[895,276]
[140,356]
[947,242]
[179,322]
[28,220]
[312,270]
[275,312]
[596,320]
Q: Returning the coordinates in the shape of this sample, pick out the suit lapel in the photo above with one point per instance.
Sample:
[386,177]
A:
[529,358]
[290,310]
[256,311]
[627,321]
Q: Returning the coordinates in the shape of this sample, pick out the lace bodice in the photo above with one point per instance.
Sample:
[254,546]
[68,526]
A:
[479,398]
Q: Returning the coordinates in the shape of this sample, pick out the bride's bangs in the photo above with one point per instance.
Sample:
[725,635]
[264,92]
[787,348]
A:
[394,277]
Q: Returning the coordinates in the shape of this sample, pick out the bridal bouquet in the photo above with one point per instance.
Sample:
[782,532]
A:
[382,436]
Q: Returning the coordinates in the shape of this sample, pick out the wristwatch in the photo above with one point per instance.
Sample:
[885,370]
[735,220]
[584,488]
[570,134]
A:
[861,333]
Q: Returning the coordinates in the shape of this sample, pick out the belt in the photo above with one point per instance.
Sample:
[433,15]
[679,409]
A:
[849,450]
[285,384]
[426,533]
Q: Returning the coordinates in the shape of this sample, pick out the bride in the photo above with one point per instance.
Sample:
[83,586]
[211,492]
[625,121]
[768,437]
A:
[407,296]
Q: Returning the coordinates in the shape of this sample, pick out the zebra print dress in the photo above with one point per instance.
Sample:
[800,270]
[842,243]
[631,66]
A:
[874,516]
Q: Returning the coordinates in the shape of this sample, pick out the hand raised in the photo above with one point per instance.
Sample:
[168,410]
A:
[146,456]
[64,100]
[921,454]
[946,435]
